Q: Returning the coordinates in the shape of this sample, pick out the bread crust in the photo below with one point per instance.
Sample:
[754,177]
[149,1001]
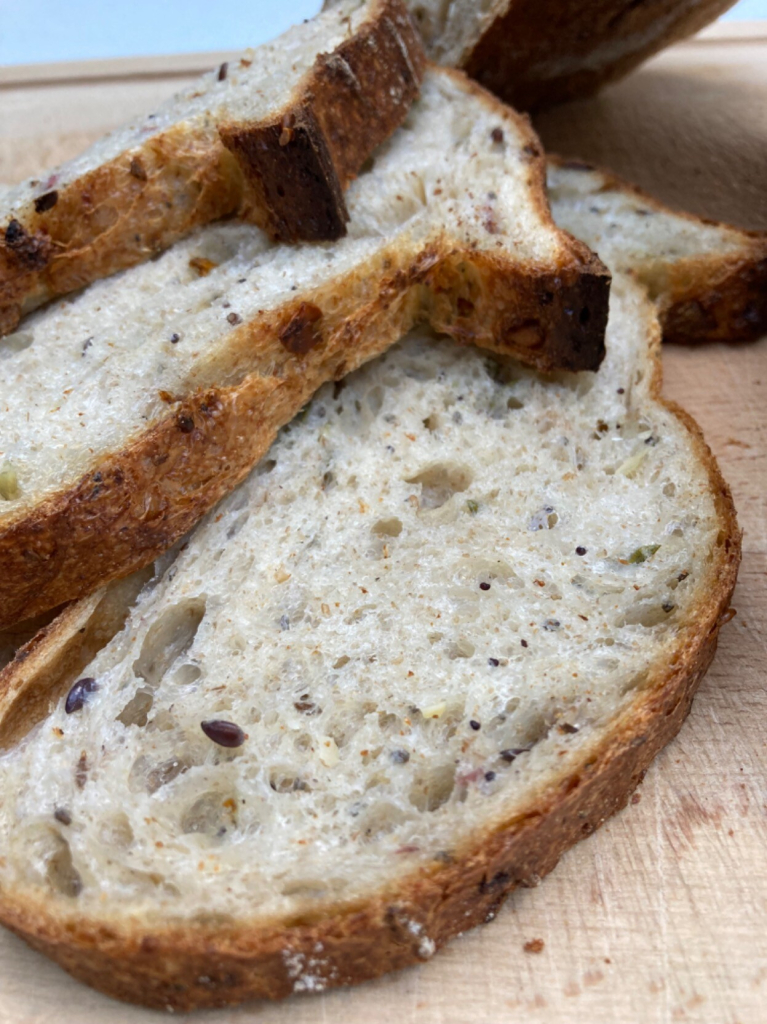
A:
[209,966]
[534,54]
[297,165]
[706,298]
[136,502]
[287,173]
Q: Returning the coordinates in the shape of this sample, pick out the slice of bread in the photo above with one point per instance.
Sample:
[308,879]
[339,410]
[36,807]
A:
[536,52]
[431,642]
[709,279]
[275,136]
[131,409]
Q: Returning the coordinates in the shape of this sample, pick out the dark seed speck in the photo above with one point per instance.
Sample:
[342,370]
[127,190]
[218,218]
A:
[580,550]
[78,695]
[46,202]
[225,734]
[484,586]
[493,662]
[476,726]
[399,757]
[489,776]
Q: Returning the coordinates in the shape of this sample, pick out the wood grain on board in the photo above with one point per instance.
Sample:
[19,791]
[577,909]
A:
[661,916]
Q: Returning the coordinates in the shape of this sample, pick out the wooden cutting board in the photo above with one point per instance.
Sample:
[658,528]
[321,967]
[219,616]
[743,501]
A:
[662,915]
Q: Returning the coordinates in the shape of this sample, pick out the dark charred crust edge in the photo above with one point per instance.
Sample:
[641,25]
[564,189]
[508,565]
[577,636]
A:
[298,164]
[706,298]
[733,308]
[505,61]
[294,192]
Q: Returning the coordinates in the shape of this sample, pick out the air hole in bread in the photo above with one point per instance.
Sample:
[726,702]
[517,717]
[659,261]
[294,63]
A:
[168,639]
[116,831]
[283,779]
[646,614]
[440,482]
[432,421]
[374,399]
[305,890]
[213,813]
[149,775]
[433,788]
[391,527]
[13,343]
[461,648]
[380,820]
[49,859]
[136,711]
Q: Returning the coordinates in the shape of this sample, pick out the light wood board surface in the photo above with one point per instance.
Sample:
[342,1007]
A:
[661,916]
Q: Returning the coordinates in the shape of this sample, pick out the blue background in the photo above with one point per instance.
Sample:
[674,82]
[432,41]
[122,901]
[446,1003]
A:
[33,31]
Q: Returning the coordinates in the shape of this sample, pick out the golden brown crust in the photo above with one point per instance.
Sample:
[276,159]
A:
[538,53]
[711,297]
[206,966]
[286,174]
[136,502]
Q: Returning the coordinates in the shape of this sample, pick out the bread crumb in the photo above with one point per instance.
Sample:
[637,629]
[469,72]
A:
[534,946]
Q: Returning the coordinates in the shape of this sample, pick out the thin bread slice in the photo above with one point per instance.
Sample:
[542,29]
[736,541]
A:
[709,279]
[536,52]
[431,642]
[131,409]
[275,136]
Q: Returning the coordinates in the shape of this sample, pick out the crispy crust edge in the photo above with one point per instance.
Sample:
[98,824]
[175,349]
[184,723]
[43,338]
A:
[134,206]
[706,298]
[187,968]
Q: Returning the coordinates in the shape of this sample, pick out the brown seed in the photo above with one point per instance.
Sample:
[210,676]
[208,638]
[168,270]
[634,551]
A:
[62,814]
[202,265]
[46,202]
[225,734]
[223,71]
[497,135]
[137,169]
[234,318]
[185,423]
[302,332]
[534,946]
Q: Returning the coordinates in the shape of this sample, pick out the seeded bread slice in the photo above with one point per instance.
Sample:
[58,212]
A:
[130,410]
[431,642]
[537,52]
[275,137]
[709,279]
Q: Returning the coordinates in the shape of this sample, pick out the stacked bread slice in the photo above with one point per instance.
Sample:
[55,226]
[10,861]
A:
[274,137]
[386,571]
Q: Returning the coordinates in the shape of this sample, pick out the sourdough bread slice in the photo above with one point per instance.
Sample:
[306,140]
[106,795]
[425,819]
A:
[275,136]
[709,279]
[129,410]
[446,625]
[536,52]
